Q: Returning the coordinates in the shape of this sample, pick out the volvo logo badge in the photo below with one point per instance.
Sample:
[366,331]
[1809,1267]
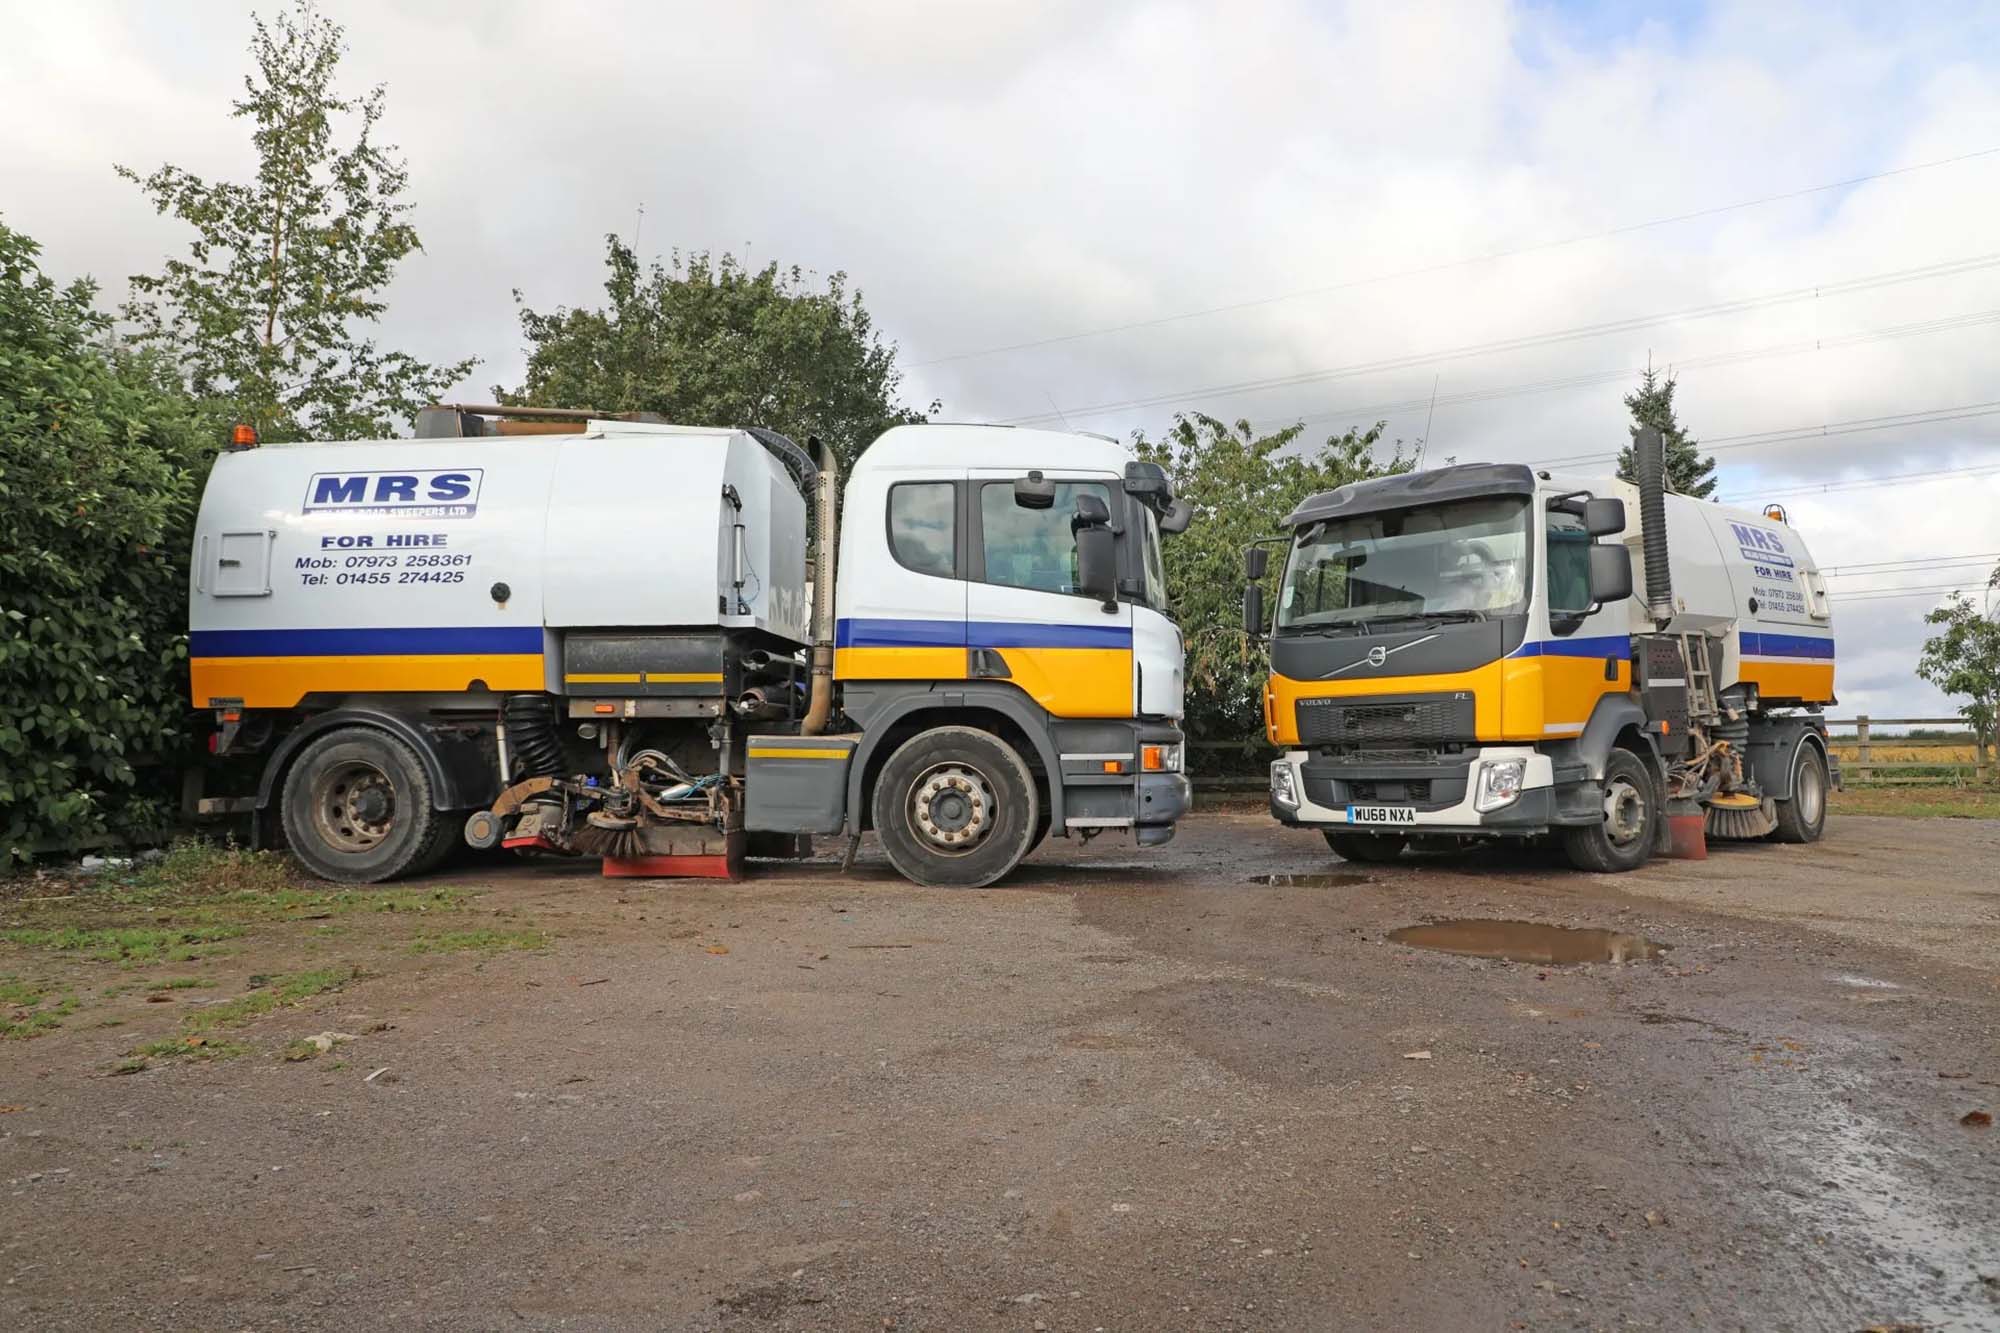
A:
[1376,656]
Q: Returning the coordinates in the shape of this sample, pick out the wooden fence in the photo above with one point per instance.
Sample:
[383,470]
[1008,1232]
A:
[1866,754]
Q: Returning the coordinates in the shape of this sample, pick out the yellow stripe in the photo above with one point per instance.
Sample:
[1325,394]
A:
[683,677]
[602,678]
[1809,682]
[840,753]
[899,663]
[1074,682]
[280,682]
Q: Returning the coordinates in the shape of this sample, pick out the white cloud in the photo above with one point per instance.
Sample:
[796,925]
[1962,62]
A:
[1002,172]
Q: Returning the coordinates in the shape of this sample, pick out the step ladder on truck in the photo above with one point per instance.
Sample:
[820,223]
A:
[1460,655]
[560,632]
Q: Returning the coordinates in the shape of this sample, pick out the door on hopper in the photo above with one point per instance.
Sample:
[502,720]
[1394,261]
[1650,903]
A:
[1024,618]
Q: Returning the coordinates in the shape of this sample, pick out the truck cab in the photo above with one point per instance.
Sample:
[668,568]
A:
[1009,581]
[1458,654]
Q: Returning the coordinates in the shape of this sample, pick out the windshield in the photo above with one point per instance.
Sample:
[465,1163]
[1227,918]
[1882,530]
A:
[1467,557]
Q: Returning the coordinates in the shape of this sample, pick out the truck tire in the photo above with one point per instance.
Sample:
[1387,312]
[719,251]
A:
[1803,818]
[357,808]
[1372,848]
[955,807]
[1624,839]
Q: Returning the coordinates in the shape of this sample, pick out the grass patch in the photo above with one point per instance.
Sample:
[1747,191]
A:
[127,944]
[182,983]
[479,941]
[282,993]
[190,1046]
[193,868]
[24,1014]
[1939,802]
[197,1040]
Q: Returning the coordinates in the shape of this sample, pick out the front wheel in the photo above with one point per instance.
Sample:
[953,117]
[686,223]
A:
[1803,818]
[1373,848]
[357,808]
[1624,839]
[955,807]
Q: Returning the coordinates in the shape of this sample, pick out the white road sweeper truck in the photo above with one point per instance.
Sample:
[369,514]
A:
[605,638]
[1459,654]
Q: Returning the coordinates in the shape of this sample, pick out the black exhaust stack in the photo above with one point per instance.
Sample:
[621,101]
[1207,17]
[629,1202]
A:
[1649,461]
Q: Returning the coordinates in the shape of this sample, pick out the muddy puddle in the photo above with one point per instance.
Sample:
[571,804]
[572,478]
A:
[1528,942]
[1320,881]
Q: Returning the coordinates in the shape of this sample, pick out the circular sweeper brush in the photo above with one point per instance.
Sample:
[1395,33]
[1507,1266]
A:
[1739,815]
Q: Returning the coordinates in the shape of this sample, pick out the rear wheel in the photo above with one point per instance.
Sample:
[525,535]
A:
[955,807]
[357,808]
[1624,839]
[1803,818]
[1373,848]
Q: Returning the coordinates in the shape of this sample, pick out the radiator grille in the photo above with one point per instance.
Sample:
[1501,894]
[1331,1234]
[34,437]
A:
[1406,722]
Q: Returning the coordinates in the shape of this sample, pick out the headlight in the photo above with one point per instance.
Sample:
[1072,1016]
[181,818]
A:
[1160,758]
[1281,785]
[1499,783]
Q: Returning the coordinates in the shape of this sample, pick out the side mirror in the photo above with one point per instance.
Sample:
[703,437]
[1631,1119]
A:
[1034,491]
[1096,551]
[1148,481]
[1179,514]
[1603,517]
[1610,573]
[1253,610]
[1256,559]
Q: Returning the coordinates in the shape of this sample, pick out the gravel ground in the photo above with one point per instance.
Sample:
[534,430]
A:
[1124,1090]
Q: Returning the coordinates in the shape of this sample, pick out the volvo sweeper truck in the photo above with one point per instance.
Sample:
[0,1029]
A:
[631,640]
[1459,654]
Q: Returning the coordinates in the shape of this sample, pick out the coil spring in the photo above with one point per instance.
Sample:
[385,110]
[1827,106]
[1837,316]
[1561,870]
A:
[531,731]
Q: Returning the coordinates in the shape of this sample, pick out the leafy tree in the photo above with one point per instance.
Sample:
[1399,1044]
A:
[706,341]
[1240,484]
[101,459]
[1965,660]
[262,317]
[1652,404]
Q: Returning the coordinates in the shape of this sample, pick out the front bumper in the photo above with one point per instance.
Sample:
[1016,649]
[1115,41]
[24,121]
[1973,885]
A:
[1131,797]
[1324,801]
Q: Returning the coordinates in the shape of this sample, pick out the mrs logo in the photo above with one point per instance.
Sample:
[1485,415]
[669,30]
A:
[1760,545]
[453,494]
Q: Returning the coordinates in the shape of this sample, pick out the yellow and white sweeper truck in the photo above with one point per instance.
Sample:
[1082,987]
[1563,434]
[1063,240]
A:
[604,637]
[1459,654]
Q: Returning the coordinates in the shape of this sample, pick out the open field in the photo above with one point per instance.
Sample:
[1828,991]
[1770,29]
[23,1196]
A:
[1195,1088]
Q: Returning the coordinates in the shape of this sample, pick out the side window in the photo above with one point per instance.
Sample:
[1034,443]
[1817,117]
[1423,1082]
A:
[1031,548]
[923,526]
[1569,567]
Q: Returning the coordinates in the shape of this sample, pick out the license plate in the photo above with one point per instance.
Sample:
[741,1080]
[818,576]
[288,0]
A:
[1381,814]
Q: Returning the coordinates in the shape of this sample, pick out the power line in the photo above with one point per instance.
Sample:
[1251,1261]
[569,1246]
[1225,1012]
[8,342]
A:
[1757,439]
[1849,483]
[1448,265]
[1679,364]
[1888,594]
[1936,562]
[1850,286]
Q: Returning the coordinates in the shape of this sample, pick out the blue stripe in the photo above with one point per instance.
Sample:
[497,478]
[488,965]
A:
[1604,645]
[976,634]
[1786,645]
[365,642]
[899,634]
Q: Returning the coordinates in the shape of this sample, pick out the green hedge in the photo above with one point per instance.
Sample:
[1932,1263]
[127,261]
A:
[101,463]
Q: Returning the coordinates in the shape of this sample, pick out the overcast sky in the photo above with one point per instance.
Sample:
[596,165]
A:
[1268,192]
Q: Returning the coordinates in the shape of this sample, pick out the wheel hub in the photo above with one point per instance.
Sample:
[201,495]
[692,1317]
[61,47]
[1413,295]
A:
[354,806]
[952,808]
[1624,811]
